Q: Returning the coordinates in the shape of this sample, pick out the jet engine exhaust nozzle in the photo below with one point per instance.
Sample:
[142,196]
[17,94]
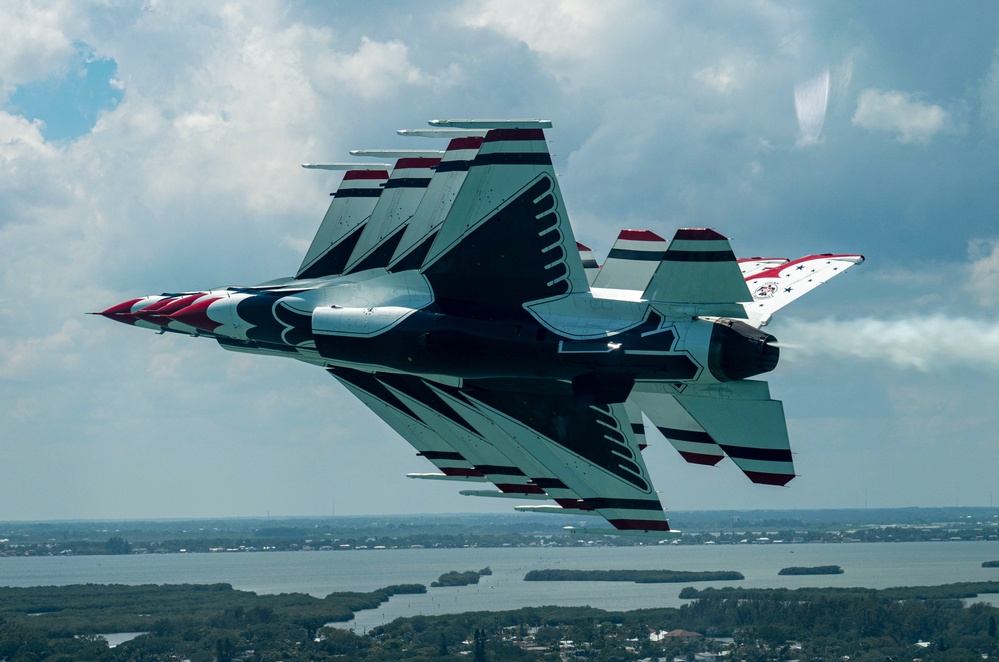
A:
[739,351]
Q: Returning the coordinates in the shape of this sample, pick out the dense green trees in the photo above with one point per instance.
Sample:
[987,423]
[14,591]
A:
[215,622]
[637,576]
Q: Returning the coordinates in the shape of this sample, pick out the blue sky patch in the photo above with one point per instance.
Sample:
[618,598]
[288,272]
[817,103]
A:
[69,105]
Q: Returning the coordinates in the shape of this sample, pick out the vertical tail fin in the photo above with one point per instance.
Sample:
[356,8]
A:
[632,260]
[341,227]
[509,211]
[403,192]
[698,267]
[436,203]
[590,266]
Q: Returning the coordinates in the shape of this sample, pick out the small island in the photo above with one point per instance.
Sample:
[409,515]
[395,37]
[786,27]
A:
[990,564]
[814,570]
[637,576]
[455,578]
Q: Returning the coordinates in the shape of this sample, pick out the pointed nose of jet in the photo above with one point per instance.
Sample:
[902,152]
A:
[196,315]
[121,312]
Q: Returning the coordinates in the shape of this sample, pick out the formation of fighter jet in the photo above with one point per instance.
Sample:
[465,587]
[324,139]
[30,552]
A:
[446,291]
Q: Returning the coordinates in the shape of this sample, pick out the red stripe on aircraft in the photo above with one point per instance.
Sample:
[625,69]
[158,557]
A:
[776,271]
[578,504]
[639,235]
[177,304]
[698,234]
[762,478]
[196,315]
[640,525]
[498,135]
[581,247]
[698,458]
[365,174]
[468,142]
[416,162]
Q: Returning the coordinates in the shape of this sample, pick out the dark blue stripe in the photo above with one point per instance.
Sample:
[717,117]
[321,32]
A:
[358,193]
[699,256]
[408,182]
[441,455]
[765,454]
[687,435]
[512,158]
[453,166]
[625,254]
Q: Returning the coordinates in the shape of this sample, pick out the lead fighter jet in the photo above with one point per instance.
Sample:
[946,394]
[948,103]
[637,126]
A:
[450,297]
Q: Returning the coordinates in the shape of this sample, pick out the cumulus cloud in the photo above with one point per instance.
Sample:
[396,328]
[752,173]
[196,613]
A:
[34,42]
[901,113]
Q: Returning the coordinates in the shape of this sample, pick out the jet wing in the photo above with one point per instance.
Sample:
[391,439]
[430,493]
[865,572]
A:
[591,449]
[427,441]
[486,457]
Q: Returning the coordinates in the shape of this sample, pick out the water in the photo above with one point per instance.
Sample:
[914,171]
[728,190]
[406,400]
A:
[320,573]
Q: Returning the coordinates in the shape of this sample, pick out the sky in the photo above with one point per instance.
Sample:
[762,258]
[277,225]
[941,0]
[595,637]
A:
[148,147]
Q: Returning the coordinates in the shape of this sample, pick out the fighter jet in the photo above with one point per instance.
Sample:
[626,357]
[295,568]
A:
[450,296]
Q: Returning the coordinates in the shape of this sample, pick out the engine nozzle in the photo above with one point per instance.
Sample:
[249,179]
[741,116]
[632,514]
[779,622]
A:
[738,350]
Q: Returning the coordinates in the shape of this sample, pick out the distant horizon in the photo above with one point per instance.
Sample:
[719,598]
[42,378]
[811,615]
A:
[513,515]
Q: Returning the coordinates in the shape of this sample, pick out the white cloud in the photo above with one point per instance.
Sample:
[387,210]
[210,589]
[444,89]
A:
[902,113]
[983,272]
[33,40]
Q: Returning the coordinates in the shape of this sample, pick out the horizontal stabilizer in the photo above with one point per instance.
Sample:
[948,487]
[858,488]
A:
[685,434]
[750,266]
[774,288]
[747,424]
[698,268]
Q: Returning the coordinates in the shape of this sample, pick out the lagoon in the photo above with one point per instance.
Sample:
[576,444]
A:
[318,573]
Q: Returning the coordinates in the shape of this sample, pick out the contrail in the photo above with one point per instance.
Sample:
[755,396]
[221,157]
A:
[927,344]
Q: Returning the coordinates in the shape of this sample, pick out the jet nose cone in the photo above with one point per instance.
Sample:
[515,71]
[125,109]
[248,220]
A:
[121,312]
